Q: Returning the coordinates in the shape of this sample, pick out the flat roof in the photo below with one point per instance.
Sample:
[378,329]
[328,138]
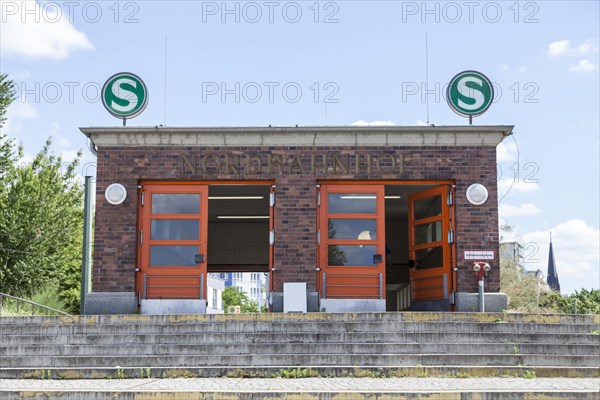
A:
[449,135]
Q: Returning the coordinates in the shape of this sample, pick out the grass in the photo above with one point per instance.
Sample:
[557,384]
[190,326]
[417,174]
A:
[47,296]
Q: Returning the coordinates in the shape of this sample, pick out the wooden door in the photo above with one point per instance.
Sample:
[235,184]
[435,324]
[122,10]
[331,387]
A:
[173,241]
[351,241]
[429,244]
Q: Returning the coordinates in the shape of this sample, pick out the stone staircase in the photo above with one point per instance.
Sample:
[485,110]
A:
[462,345]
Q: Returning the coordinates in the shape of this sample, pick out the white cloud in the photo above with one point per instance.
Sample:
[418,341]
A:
[564,48]
[576,253]
[17,112]
[45,32]
[508,210]
[584,66]
[421,123]
[507,151]
[508,185]
[559,48]
[360,122]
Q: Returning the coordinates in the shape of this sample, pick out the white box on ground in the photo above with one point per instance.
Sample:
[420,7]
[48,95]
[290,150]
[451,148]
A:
[294,297]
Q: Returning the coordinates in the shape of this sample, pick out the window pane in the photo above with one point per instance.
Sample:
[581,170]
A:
[428,233]
[432,257]
[352,203]
[173,256]
[176,203]
[351,255]
[175,229]
[361,229]
[428,207]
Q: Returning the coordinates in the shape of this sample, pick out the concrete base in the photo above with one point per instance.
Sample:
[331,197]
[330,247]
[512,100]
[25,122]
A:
[352,305]
[110,303]
[469,302]
[169,307]
[312,301]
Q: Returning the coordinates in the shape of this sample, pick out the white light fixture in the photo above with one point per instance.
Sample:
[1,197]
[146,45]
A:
[371,196]
[236,197]
[358,197]
[242,216]
[477,194]
[364,235]
[115,194]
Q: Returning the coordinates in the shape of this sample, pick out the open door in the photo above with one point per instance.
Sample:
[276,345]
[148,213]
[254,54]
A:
[429,245]
[173,242]
[351,242]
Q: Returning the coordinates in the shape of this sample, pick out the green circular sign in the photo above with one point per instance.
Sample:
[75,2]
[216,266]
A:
[470,93]
[125,95]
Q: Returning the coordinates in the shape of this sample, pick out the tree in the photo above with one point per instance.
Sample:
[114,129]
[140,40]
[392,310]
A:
[581,302]
[7,96]
[41,219]
[232,296]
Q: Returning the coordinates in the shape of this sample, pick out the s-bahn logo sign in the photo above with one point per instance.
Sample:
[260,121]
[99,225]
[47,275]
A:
[125,95]
[470,93]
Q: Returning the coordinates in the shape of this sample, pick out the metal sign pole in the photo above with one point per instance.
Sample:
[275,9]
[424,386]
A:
[88,211]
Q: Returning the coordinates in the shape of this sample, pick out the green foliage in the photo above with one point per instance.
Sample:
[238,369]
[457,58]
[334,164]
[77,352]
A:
[583,301]
[41,219]
[7,95]
[524,291]
[527,294]
[232,296]
[298,372]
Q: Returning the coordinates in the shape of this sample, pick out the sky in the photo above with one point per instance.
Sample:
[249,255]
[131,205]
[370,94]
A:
[284,63]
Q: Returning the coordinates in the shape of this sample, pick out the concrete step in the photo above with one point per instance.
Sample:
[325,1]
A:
[302,337]
[283,328]
[591,319]
[309,388]
[341,371]
[268,359]
[302,395]
[233,348]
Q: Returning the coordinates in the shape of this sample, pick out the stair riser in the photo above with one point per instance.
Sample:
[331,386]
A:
[297,348]
[379,337]
[308,327]
[303,359]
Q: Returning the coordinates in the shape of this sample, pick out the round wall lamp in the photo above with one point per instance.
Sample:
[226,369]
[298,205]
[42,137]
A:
[115,194]
[477,194]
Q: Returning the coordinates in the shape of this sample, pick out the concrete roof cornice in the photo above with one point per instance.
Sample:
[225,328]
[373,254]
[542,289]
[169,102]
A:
[132,136]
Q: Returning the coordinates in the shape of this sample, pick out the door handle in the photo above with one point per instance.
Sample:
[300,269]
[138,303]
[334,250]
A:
[199,258]
[377,258]
[413,264]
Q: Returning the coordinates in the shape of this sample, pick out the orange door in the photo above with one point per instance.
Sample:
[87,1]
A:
[429,244]
[173,243]
[351,241]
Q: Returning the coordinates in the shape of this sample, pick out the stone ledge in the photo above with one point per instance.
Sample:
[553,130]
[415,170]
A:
[411,136]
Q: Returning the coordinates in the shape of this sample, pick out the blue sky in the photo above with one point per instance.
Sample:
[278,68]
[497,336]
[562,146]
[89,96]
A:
[336,63]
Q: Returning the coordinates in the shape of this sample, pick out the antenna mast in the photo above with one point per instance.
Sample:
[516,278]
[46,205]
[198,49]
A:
[427,78]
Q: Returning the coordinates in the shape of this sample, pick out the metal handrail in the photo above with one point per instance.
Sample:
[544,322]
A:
[33,305]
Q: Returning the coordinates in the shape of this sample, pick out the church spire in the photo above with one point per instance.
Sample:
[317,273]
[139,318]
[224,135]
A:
[552,277]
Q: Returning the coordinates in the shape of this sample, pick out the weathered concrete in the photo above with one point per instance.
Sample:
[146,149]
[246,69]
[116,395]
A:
[172,307]
[110,303]
[352,305]
[469,302]
[300,136]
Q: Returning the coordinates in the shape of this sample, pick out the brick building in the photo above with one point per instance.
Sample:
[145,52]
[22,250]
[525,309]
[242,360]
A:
[371,218]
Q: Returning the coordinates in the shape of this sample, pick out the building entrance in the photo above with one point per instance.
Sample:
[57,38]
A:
[391,242]
[188,230]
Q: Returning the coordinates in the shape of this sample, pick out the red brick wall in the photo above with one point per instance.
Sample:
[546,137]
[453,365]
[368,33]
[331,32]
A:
[295,224]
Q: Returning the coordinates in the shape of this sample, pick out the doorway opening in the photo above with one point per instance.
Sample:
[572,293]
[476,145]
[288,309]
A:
[239,254]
